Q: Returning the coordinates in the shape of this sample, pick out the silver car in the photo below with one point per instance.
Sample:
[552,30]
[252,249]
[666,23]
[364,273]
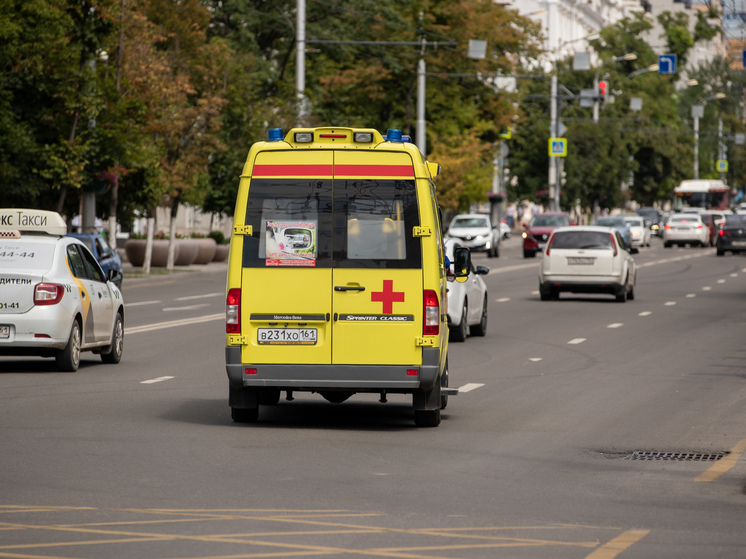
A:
[475,232]
[55,300]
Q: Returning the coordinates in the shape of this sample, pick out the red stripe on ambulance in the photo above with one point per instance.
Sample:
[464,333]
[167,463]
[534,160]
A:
[374,170]
[292,170]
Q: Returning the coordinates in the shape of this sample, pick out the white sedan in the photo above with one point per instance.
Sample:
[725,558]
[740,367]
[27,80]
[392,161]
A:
[587,259]
[640,234]
[685,228]
[467,301]
[55,300]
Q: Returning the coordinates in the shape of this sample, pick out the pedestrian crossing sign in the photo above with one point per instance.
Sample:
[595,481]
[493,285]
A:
[722,165]
[558,147]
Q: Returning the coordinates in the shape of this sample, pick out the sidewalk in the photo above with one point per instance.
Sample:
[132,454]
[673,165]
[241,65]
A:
[136,272]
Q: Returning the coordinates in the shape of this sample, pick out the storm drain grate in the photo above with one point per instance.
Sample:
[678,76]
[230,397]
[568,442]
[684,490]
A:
[677,456]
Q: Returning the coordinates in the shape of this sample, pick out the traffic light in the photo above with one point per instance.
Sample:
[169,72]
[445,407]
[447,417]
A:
[602,90]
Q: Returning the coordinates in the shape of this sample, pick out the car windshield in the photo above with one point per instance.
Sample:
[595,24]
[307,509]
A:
[581,239]
[611,221]
[735,219]
[549,221]
[686,218]
[462,222]
[634,221]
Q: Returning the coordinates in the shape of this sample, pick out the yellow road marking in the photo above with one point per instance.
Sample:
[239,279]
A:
[724,464]
[622,542]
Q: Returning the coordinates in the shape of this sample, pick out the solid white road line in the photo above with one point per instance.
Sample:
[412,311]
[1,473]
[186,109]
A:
[469,387]
[187,308]
[183,322]
[191,297]
[142,303]
[154,380]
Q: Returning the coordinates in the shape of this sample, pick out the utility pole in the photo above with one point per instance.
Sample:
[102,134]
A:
[553,186]
[300,60]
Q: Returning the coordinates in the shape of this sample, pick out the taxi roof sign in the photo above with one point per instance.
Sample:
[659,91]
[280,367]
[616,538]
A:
[38,221]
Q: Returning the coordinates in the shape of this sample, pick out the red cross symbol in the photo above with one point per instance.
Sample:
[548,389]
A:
[388,296]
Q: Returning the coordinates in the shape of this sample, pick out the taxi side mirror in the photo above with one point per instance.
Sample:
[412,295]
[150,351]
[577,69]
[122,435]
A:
[114,276]
[461,264]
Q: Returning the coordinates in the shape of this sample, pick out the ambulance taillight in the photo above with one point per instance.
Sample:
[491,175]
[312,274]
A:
[431,325]
[233,312]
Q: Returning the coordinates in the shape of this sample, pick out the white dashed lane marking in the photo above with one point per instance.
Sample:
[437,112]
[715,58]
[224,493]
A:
[469,387]
[616,325]
[670,303]
[199,296]
[645,313]
[154,380]
[141,303]
[577,341]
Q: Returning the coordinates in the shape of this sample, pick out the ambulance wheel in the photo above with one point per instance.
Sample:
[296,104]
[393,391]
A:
[68,359]
[269,396]
[336,396]
[444,384]
[243,415]
[459,332]
[114,355]
[427,418]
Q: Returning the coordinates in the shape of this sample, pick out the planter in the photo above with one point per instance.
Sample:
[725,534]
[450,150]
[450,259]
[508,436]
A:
[221,253]
[186,252]
[205,250]
[135,251]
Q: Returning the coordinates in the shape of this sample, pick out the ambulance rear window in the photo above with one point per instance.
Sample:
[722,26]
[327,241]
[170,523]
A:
[341,223]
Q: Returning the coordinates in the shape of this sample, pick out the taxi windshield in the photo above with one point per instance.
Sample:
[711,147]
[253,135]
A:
[463,222]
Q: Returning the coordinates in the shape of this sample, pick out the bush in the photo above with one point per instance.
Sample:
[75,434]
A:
[218,236]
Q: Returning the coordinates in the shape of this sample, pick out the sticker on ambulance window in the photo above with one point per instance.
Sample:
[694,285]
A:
[291,243]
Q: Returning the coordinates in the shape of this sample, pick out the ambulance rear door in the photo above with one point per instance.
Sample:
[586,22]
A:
[377,264]
[286,272]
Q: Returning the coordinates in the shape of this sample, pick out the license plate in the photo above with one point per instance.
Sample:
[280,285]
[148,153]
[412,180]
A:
[739,243]
[580,261]
[286,336]
[4,332]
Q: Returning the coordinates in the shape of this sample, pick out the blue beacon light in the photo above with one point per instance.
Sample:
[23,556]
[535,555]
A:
[276,135]
[394,135]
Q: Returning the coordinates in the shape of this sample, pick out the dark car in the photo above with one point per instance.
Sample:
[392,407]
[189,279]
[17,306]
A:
[106,256]
[653,218]
[732,235]
[539,229]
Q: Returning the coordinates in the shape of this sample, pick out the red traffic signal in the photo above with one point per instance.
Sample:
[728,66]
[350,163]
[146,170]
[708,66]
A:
[602,88]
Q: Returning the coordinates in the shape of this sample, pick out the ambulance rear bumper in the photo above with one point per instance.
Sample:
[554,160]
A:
[356,378]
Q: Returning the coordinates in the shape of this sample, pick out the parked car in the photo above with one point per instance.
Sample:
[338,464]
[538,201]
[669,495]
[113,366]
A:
[687,228]
[475,232]
[731,236]
[57,301]
[467,301]
[588,259]
[653,218]
[619,223]
[640,234]
[107,257]
[539,229]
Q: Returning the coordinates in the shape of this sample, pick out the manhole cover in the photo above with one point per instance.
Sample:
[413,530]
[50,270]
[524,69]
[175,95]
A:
[677,456]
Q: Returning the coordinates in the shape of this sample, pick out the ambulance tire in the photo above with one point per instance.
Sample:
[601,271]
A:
[269,396]
[444,384]
[68,359]
[427,418]
[243,415]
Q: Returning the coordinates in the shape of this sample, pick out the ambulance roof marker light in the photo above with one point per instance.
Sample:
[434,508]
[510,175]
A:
[276,135]
[394,135]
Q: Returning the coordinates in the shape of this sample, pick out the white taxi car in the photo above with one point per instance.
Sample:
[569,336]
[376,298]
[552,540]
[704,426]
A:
[467,301]
[588,259]
[55,300]
[640,233]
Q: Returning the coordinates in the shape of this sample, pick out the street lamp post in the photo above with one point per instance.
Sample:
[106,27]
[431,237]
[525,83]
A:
[698,111]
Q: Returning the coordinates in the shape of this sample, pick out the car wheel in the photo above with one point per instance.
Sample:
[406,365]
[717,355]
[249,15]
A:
[666,245]
[622,295]
[68,359]
[720,252]
[545,294]
[631,294]
[481,328]
[242,415]
[459,333]
[114,355]
[529,253]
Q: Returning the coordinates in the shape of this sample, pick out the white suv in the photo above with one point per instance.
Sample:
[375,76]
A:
[475,232]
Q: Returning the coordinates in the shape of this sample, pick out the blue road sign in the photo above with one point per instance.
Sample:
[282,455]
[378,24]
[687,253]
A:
[667,64]
[557,147]
[743,58]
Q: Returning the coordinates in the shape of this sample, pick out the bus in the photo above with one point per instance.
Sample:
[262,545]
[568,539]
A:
[702,193]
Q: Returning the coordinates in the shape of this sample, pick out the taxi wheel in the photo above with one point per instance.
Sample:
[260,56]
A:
[68,359]
[114,355]
[459,333]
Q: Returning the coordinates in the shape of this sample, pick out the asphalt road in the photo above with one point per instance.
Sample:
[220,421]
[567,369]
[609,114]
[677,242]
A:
[141,459]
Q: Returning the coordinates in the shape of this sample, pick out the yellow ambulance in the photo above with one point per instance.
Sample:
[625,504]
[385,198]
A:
[336,274]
